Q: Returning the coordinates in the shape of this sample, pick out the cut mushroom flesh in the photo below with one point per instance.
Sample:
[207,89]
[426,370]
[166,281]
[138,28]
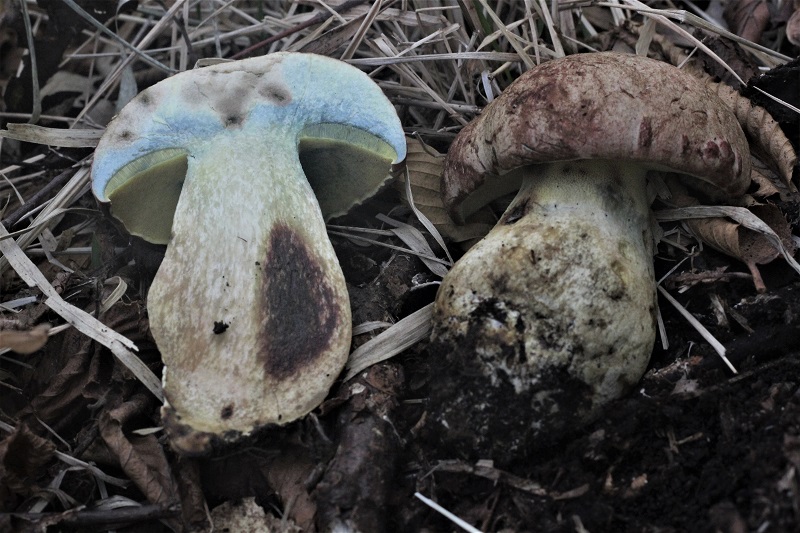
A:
[249,307]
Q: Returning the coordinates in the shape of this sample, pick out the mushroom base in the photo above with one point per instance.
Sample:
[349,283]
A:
[549,317]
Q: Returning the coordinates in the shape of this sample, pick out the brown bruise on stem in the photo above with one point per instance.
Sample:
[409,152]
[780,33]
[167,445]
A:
[301,314]
[249,307]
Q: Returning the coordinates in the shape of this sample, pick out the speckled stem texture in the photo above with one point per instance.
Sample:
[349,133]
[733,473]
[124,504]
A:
[259,299]
[552,314]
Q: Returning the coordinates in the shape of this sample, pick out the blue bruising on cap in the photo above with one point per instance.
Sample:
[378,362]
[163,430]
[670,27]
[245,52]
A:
[277,94]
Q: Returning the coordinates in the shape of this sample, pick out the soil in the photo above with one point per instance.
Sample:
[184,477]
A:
[693,448]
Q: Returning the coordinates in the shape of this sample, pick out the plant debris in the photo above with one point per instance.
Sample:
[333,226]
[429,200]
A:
[694,447]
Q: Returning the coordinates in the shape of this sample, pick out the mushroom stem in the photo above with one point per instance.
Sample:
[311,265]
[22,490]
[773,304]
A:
[269,281]
[574,291]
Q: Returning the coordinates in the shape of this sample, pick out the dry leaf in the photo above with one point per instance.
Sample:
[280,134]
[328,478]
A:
[734,239]
[415,240]
[52,136]
[141,458]
[399,337]
[357,483]
[751,247]
[64,396]
[25,342]
[23,455]
[190,486]
[747,18]
[424,167]
[765,186]
[287,475]
[769,140]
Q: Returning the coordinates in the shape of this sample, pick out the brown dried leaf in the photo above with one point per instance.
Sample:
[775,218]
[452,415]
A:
[424,167]
[770,142]
[734,239]
[25,342]
[737,241]
[357,482]
[23,455]
[287,475]
[141,457]
[750,247]
[747,18]
[64,397]
[765,186]
[190,487]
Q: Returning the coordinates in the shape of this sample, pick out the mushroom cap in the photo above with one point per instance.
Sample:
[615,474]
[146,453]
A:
[235,166]
[346,129]
[603,105]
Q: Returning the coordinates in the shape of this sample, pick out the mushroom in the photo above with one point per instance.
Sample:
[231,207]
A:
[236,167]
[552,315]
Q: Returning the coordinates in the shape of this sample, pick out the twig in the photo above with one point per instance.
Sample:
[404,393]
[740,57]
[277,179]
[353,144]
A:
[85,518]
[38,198]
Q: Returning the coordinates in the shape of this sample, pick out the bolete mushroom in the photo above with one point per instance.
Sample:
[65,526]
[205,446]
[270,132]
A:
[552,314]
[236,167]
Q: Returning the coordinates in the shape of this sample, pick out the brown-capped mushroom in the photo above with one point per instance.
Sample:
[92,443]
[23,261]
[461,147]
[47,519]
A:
[236,167]
[552,314]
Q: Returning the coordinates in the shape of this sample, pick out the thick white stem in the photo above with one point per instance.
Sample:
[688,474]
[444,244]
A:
[249,307]
[562,287]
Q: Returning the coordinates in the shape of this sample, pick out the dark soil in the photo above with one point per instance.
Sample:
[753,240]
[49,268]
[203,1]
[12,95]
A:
[693,448]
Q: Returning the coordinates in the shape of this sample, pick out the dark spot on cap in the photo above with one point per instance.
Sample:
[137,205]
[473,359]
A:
[711,150]
[275,93]
[125,135]
[145,99]
[301,312]
[226,412]
[220,327]
[645,133]
[233,120]
[685,144]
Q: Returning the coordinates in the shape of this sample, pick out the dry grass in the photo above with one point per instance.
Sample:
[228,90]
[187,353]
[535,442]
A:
[439,61]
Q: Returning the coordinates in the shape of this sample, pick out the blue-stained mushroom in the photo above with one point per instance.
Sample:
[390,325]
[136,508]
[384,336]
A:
[236,167]
[553,314]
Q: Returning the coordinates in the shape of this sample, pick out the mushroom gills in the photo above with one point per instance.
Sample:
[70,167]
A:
[338,159]
[563,285]
[157,176]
